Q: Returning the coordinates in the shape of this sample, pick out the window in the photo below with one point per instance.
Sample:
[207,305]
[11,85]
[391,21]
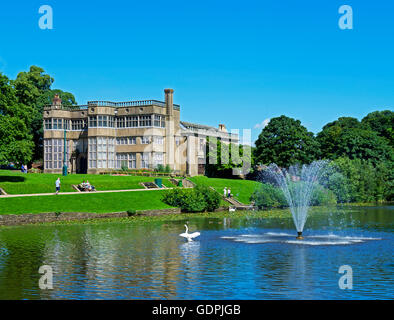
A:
[92,121]
[92,153]
[57,124]
[158,140]
[78,124]
[66,124]
[145,160]
[48,124]
[201,144]
[132,121]
[132,161]
[158,158]
[120,122]
[159,121]
[121,160]
[145,140]
[146,121]
[132,140]
[101,152]
[54,153]
[111,153]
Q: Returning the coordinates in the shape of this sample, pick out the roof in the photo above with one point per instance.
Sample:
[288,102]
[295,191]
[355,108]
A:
[199,126]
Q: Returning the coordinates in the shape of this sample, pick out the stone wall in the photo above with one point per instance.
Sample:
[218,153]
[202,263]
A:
[19,219]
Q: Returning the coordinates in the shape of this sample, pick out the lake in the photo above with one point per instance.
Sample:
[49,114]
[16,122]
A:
[234,258]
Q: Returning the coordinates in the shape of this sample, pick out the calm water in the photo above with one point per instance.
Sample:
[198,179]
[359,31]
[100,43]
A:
[244,258]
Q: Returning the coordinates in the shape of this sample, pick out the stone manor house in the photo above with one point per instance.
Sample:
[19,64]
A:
[104,136]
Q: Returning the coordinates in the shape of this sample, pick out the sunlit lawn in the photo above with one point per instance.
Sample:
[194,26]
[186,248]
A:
[241,189]
[91,202]
[14,182]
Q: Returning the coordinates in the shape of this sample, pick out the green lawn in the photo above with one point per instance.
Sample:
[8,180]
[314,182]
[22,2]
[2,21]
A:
[92,202]
[14,182]
[241,189]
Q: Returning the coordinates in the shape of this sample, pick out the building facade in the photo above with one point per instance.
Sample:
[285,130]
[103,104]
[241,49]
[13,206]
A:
[104,136]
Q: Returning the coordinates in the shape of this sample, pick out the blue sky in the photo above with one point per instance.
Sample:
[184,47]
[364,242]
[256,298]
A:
[232,62]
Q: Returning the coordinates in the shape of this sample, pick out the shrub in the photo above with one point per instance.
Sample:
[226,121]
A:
[211,197]
[363,180]
[268,196]
[198,199]
[323,197]
[163,169]
[159,168]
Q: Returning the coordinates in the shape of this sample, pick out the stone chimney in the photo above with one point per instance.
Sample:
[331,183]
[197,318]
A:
[169,100]
[222,127]
[57,101]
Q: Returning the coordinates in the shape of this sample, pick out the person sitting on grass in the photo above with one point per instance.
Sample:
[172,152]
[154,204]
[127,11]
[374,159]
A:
[81,185]
[89,187]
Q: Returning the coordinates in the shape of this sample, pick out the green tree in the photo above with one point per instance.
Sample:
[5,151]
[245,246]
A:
[15,141]
[382,122]
[347,137]
[227,157]
[285,141]
[33,89]
[331,133]
[363,181]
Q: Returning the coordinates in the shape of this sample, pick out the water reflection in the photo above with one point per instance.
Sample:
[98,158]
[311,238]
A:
[232,259]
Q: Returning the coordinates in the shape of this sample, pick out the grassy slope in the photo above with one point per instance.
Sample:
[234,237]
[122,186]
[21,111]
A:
[14,182]
[241,189]
[92,202]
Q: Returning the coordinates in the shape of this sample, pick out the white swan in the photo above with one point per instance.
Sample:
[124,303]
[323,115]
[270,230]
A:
[189,236]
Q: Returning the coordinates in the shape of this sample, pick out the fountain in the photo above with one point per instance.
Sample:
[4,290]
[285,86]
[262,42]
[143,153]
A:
[298,184]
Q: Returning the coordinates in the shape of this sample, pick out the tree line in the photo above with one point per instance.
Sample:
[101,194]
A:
[362,151]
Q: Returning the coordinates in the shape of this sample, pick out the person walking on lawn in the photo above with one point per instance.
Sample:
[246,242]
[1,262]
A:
[225,191]
[57,184]
[228,193]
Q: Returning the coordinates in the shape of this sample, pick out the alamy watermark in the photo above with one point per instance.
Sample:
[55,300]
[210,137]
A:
[346,20]
[46,280]
[46,20]
[345,281]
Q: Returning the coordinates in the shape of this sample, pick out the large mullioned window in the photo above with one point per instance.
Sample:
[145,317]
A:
[54,152]
[78,124]
[145,160]
[101,152]
[158,158]
[126,140]
[128,160]
[101,121]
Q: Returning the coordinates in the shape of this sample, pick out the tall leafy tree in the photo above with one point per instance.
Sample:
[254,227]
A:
[347,137]
[331,133]
[382,122]
[285,141]
[16,143]
[33,88]
[227,156]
